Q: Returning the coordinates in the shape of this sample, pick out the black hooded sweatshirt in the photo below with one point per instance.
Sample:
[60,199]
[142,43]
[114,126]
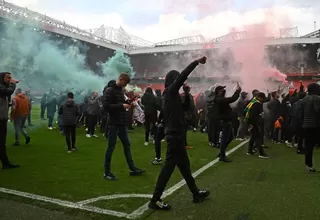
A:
[222,103]
[173,108]
[70,112]
[311,107]
[113,100]
[150,103]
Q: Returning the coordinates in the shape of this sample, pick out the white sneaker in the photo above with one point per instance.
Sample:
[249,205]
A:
[95,136]
[88,135]
[50,128]
[146,143]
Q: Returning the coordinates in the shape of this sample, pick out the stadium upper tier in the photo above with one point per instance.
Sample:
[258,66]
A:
[117,38]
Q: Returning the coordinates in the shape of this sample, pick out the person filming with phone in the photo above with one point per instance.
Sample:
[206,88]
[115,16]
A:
[7,87]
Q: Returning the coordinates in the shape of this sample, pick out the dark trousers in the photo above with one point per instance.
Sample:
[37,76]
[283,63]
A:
[310,135]
[121,132]
[262,132]
[213,130]
[176,156]
[149,124]
[29,118]
[157,141]
[70,133]
[3,139]
[129,119]
[276,134]
[299,137]
[255,140]
[42,111]
[84,119]
[91,123]
[60,123]
[226,138]
[50,121]
[186,135]
[103,123]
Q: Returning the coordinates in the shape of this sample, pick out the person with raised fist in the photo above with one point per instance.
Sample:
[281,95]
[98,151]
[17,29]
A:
[174,126]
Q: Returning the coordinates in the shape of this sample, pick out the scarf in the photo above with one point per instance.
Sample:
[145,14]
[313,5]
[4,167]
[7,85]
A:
[248,108]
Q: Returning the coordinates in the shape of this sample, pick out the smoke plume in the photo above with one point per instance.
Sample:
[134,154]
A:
[41,62]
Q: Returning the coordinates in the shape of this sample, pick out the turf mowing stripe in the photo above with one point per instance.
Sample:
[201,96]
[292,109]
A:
[64,203]
[138,212]
[115,196]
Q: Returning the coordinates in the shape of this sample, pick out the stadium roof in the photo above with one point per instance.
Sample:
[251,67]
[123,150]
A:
[118,38]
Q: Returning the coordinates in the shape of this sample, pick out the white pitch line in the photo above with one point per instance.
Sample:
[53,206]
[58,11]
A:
[139,211]
[64,203]
[115,196]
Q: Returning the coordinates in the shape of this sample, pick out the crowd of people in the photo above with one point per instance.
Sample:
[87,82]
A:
[292,119]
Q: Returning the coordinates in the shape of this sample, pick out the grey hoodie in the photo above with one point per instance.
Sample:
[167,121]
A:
[6,90]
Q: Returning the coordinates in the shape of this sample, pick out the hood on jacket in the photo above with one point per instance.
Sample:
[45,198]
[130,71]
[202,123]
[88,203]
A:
[2,75]
[110,83]
[171,77]
[22,95]
[149,90]
[69,103]
[313,89]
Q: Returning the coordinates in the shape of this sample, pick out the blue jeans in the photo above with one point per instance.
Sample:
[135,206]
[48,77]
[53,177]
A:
[121,132]
[19,124]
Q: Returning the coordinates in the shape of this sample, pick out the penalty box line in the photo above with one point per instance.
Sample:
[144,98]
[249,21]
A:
[142,209]
[63,203]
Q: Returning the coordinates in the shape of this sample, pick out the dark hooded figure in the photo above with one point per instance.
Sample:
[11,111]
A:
[174,124]
[7,87]
[297,122]
[104,114]
[52,103]
[224,115]
[69,112]
[43,105]
[311,122]
[151,107]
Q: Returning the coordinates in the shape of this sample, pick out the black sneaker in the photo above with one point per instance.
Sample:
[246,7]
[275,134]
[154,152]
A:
[311,170]
[109,176]
[10,166]
[159,205]
[136,172]
[225,159]
[250,153]
[202,195]
[16,144]
[28,139]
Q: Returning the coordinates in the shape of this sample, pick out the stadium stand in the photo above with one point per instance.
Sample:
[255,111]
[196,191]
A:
[152,61]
